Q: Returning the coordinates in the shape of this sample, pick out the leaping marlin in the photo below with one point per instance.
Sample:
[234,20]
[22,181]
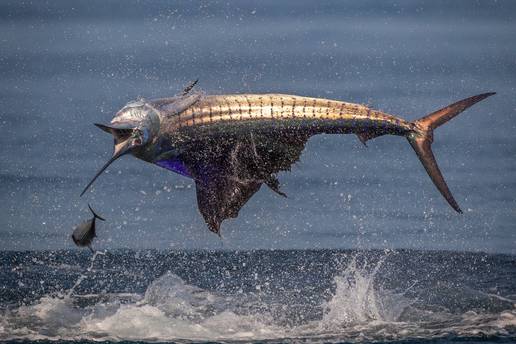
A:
[232,144]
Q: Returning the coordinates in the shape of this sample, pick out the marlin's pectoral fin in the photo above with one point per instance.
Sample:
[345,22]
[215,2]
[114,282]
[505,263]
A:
[165,155]
[174,164]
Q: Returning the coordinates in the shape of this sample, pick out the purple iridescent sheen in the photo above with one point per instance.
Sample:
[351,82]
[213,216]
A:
[176,165]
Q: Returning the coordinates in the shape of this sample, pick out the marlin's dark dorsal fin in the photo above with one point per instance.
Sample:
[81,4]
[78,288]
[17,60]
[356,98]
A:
[189,87]
[179,104]
[229,170]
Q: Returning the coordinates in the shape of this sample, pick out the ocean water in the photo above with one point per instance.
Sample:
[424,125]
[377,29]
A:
[363,249]
[260,296]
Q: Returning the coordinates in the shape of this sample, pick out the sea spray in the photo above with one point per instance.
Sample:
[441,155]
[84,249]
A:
[174,297]
[83,275]
[56,315]
[358,299]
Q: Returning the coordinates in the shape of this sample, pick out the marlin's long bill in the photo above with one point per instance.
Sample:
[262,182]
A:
[231,145]
[122,149]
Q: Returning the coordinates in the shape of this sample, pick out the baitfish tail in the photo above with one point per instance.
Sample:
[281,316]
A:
[421,140]
[95,214]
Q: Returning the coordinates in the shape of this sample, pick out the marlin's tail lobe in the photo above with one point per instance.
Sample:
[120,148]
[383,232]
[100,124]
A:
[422,140]
[95,214]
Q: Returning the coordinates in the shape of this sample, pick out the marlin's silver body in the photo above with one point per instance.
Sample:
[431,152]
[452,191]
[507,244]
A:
[170,122]
[232,144]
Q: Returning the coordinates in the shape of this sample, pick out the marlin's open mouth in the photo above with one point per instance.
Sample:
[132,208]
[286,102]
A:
[121,132]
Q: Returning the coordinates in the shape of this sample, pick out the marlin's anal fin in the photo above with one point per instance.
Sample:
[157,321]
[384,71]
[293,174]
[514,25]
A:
[366,136]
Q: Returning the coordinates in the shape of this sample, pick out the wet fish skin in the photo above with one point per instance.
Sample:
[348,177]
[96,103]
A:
[232,144]
[275,111]
[85,232]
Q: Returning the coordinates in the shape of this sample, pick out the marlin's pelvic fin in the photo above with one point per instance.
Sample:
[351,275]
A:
[273,183]
[421,141]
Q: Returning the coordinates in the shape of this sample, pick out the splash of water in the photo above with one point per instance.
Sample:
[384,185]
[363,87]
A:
[83,276]
[358,300]
[173,309]
[359,308]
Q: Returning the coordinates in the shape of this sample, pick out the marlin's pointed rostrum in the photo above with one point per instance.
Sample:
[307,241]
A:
[231,145]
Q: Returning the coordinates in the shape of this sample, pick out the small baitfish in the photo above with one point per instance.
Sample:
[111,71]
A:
[231,145]
[84,233]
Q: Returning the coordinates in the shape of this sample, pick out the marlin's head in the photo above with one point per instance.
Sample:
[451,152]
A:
[134,128]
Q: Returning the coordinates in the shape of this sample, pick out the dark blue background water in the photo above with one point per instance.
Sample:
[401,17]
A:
[65,65]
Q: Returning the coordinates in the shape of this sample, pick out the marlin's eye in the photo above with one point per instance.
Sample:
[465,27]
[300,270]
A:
[137,137]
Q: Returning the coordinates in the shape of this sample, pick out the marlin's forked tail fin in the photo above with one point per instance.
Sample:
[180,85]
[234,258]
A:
[422,140]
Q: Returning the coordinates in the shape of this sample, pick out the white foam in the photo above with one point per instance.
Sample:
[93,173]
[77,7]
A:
[171,310]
